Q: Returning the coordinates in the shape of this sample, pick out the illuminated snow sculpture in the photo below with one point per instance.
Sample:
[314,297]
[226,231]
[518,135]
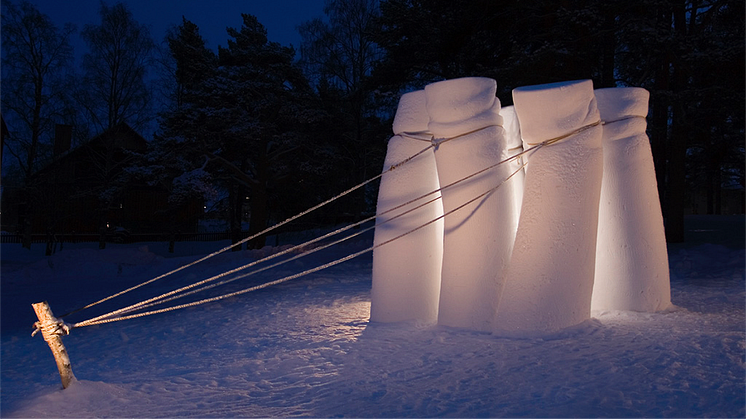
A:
[631,257]
[549,279]
[513,136]
[406,272]
[477,242]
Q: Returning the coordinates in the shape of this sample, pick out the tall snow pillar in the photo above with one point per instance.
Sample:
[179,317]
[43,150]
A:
[549,280]
[631,257]
[406,272]
[477,243]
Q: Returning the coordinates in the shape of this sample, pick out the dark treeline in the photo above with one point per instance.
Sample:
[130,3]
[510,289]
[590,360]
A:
[264,130]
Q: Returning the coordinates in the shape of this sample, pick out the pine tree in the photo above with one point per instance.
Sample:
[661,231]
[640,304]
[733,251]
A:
[36,57]
[339,56]
[115,69]
[241,118]
[194,62]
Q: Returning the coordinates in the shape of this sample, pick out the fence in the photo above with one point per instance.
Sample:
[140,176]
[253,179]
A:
[117,237]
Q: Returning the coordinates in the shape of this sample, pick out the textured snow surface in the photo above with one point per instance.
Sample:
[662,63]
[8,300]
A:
[549,280]
[631,264]
[406,272]
[478,238]
[307,348]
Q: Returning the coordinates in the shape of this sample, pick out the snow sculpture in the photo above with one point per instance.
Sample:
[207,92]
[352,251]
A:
[477,243]
[513,137]
[406,272]
[631,257]
[549,280]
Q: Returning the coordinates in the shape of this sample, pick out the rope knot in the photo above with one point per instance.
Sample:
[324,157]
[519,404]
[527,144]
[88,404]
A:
[54,327]
[569,134]
[436,142]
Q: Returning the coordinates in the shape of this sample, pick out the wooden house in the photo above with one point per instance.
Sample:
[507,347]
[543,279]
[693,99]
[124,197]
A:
[83,190]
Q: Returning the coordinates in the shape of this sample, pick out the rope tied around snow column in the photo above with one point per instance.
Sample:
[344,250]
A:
[116,315]
[624,118]
[434,143]
[583,129]
[569,134]
[430,138]
[265,231]
[414,135]
[101,320]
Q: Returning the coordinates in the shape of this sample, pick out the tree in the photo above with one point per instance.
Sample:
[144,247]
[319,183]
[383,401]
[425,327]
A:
[517,43]
[36,57]
[339,57]
[114,92]
[240,120]
[257,91]
[427,41]
[115,69]
[690,55]
[176,158]
[189,61]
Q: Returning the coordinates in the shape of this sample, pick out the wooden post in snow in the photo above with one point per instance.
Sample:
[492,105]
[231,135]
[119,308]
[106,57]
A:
[52,330]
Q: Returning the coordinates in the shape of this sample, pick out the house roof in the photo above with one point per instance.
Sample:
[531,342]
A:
[121,136]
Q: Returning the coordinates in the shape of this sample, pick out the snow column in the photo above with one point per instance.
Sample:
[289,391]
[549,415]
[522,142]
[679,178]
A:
[406,272]
[477,243]
[515,146]
[549,280]
[631,257]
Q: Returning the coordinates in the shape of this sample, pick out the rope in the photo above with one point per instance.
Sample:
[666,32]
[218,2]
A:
[585,128]
[569,134]
[415,135]
[300,274]
[164,297]
[106,318]
[52,327]
[624,118]
[267,230]
[434,143]
[172,294]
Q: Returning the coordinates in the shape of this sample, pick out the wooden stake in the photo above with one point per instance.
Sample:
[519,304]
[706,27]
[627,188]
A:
[52,333]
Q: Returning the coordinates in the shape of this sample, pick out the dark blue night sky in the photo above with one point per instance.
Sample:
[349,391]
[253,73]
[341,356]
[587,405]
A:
[280,17]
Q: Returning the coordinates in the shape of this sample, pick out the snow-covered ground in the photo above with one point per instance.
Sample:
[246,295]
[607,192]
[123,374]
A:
[306,347]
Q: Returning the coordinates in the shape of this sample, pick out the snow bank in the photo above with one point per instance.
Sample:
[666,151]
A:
[406,272]
[631,259]
[306,348]
[549,280]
